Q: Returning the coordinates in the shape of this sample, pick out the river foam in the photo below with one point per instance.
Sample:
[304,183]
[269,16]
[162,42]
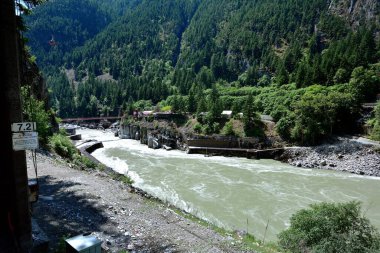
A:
[229,191]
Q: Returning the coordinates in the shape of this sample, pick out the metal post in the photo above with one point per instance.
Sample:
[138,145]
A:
[15,220]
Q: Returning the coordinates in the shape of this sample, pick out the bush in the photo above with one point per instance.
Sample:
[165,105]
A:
[34,111]
[62,146]
[83,161]
[198,128]
[284,126]
[228,128]
[375,133]
[330,227]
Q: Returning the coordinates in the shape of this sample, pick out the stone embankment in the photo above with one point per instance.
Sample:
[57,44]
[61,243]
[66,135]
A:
[345,155]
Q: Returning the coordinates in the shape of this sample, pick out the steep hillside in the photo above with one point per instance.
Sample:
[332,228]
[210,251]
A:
[356,12]
[152,31]
[57,27]
[241,35]
[242,40]
[294,57]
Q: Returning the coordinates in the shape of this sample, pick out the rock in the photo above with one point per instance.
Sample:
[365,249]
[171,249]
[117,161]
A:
[340,156]
[323,163]
[104,248]
[139,243]
[299,164]
[130,247]
[240,233]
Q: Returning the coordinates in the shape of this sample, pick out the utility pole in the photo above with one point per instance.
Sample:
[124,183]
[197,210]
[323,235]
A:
[15,220]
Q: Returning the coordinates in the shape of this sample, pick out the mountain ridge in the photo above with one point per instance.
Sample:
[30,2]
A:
[295,58]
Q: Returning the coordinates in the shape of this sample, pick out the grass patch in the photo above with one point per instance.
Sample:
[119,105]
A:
[122,178]
[246,242]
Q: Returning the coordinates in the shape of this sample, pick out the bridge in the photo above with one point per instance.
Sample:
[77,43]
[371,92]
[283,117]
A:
[90,119]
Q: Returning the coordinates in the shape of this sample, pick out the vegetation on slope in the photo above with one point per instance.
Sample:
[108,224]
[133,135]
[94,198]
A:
[302,63]
[328,227]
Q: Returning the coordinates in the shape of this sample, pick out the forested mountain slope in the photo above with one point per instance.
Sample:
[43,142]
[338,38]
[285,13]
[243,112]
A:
[229,37]
[69,24]
[159,49]
[153,30]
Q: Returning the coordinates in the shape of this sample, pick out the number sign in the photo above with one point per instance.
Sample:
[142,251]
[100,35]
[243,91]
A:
[24,127]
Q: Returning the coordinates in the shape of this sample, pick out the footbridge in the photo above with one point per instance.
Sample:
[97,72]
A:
[90,119]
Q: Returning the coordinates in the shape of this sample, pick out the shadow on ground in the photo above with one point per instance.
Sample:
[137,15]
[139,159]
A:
[63,212]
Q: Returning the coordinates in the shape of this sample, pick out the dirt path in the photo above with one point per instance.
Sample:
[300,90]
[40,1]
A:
[74,202]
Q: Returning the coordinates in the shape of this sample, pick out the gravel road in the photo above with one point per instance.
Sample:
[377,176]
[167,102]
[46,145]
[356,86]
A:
[74,201]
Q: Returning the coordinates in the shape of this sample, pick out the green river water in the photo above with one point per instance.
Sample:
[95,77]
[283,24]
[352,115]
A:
[231,192]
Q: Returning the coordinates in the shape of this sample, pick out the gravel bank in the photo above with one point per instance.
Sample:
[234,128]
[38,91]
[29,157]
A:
[343,155]
[73,202]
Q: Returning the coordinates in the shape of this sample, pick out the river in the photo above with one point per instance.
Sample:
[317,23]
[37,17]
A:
[234,193]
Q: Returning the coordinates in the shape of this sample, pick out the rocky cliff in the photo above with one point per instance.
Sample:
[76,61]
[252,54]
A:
[357,12]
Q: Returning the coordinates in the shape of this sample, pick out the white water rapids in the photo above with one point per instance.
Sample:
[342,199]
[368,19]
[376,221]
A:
[235,193]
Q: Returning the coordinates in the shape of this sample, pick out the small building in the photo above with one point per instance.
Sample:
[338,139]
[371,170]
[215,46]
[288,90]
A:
[226,114]
[266,118]
[144,114]
[147,113]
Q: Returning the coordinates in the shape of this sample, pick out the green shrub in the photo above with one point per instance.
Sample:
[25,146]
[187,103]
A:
[84,161]
[34,111]
[166,108]
[228,128]
[123,178]
[329,227]
[207,129]
[215,127]
[62,146]
[284,126]
[375,133]
[198,128]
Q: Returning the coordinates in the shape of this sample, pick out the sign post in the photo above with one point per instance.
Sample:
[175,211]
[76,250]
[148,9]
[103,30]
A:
[24,127]
[23,136]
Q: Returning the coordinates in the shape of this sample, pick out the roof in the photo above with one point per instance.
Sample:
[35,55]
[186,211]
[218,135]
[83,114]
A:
[147,112]
[266,117]
[226,112]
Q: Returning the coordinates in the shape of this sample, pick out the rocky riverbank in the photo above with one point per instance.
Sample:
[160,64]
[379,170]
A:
[343,154]
[73,202]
